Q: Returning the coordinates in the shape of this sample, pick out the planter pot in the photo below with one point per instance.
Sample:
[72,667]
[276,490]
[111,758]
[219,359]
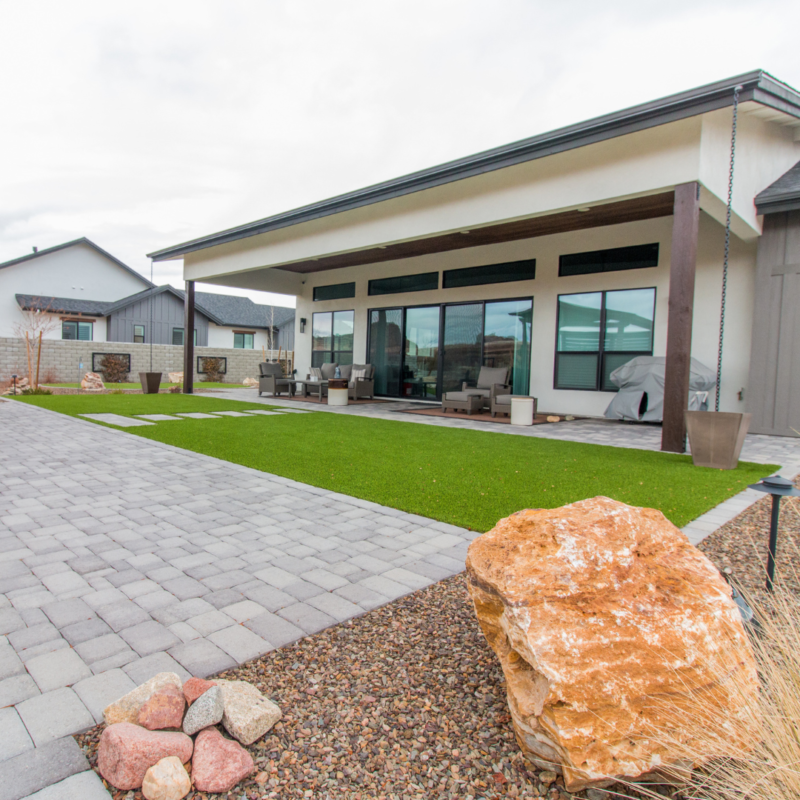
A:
[151,381]
[716,437]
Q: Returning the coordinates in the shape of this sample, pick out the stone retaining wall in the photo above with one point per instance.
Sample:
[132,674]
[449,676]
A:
[61,359]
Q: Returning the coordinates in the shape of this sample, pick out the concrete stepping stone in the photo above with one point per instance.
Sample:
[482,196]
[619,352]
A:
[116,419]
[157,417]
[231,414]
[266,413]
[295,410]
[196,415]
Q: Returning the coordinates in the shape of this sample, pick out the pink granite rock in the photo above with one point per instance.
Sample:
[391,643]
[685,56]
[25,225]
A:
[219,763]
[163,710]
[127,751]
[194,687]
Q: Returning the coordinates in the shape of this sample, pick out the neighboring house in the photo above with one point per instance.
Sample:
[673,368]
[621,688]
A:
[79,270]
[220,320]
[560,257]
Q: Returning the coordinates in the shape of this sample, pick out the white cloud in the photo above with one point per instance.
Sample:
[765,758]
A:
[144,124]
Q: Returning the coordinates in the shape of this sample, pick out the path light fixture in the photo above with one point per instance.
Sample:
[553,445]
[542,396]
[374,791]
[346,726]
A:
[14,378]
[778,487]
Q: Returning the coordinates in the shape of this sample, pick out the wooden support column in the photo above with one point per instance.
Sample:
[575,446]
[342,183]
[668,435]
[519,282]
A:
[686,219]
[188,339]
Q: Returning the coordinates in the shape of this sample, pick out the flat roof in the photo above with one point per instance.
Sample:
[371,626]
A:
[757,86]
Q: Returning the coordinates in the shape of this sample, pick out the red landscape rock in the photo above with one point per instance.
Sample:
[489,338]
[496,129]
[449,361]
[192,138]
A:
[163,710]
[126,752]
[194,687]
[219,763]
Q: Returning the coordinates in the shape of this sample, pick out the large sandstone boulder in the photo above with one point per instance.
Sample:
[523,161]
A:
[127,708]
[612,632]
[92,382]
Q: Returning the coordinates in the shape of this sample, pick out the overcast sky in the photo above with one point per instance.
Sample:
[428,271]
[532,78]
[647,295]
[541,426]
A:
[144,124]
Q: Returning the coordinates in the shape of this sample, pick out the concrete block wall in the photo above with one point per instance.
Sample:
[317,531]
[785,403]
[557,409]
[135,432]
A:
[61,359]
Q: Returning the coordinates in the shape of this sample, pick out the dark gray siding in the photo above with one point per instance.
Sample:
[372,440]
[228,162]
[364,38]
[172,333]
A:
[167,314]
[774,386]
[285,337]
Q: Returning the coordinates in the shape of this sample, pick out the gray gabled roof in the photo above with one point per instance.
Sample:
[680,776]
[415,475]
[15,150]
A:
[62,305]
[82,240]
[758,86]
[243,311]
[156,290]
[783,195]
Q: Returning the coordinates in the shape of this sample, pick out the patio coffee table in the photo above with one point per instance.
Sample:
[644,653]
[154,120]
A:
[462,401]
[316,388]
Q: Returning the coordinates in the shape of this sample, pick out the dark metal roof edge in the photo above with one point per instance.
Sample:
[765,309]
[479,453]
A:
[756,85]
[82,240]
[787,202]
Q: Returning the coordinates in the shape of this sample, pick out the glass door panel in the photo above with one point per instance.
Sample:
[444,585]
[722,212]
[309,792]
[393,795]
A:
[386,349]
[421,363]
[463,345]
[507,341]
[343,322]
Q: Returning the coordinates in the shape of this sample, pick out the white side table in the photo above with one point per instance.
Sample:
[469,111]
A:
[337,392]
[522,411]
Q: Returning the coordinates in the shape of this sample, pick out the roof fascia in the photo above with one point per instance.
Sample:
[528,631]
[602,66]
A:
[757,85]
[775,205]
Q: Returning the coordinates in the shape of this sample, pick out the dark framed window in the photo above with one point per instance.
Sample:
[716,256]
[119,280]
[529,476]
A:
[332,337]
[74,329]
[423,282]
[242,340]
[177,336]
[491,273]
[618,258]
[336,291]
[600,331]
[138,334]
[221,360]
[97,360]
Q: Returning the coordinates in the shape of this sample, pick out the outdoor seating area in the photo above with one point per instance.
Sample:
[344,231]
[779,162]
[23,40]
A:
[492,393]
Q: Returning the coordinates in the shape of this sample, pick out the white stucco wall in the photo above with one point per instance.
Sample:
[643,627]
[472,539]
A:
[75,272]
[545,289]
[219,336]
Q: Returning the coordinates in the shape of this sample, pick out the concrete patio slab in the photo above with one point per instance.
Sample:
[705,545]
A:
[117,419]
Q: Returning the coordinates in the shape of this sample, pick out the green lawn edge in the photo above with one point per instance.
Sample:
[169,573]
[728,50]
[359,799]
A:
[464,477]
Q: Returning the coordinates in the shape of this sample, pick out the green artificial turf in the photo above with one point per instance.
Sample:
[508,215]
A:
[467,478]
[198,385]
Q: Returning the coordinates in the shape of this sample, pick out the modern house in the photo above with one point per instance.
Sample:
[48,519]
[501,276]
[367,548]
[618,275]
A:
[92,296]
[560,257]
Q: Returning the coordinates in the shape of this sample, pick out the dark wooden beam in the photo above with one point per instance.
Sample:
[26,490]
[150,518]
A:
[686,219]
[188,339]
[639,208]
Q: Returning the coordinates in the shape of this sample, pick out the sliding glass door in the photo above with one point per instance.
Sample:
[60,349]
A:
[426,351]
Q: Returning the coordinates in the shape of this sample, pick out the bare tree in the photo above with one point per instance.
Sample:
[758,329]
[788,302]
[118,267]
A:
[37,321]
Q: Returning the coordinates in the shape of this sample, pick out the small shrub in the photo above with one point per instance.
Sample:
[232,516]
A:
[49,376]
[212,367]
[117,391]
[176,389]
[114,368]
[36,391]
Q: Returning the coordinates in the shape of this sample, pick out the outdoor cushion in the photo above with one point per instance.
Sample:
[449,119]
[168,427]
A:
[329,370]
[504,399]
[316,372]
[462,396]
[489,376]
[270,370]
[356,374]
[369,369]
[345,371]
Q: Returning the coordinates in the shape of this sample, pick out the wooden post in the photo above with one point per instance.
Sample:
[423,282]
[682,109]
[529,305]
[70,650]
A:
[685,223]
[188,339]
[38,360]
[30,367]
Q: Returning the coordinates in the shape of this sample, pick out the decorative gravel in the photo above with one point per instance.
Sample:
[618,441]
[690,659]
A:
[408,701]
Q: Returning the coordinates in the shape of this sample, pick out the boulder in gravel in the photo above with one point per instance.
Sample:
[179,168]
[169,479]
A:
[194,687]
[595,611]
[248,714]
[175,377]
[126,709]
[251,382]
[218,763]
[92,382]
[167,780]
[127,751]
[206,711]
[164,709]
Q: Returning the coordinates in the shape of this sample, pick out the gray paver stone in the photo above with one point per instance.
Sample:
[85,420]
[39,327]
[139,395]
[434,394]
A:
[100,691]
[55,714]
[141,670]
[210,622]
[94,650]
[361,595]
[244,610]
[10,620]
[337,607]
[123,614]
[42,766]
[84,631]
[83,786]
[307,617]
[30,637]
[16,689]
[42,649]
[202,658]
[66,612]
[240,643]
[13,735]
[10,662]
[149,637]
[276,630]
[57,669]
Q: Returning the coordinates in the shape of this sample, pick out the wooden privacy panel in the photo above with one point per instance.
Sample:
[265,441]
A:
[773,395]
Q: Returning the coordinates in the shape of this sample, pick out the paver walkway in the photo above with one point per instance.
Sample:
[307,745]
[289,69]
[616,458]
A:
[121,558]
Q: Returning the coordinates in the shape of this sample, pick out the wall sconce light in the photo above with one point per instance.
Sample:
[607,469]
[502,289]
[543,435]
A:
[302,324]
